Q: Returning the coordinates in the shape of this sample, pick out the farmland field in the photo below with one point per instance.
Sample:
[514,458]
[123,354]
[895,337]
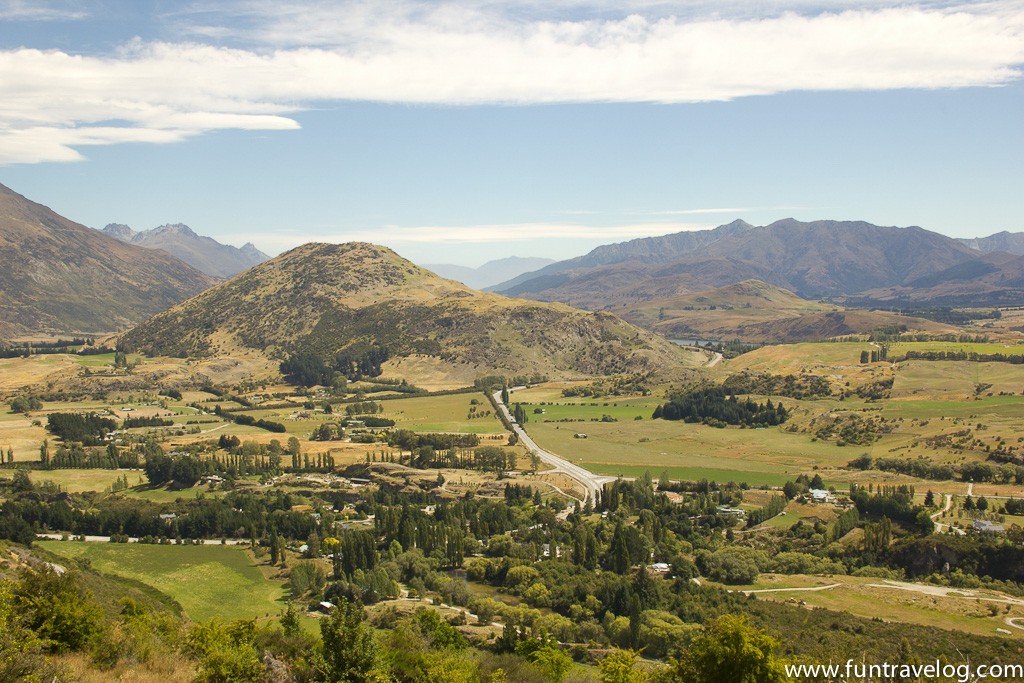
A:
[961,610]
[687,451]
[207,580]
[79,480]
[442,414]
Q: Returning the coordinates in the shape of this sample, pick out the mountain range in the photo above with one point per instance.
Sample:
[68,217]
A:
[62,277]
[843,261]
[490,273]
[363,301]
[202,253]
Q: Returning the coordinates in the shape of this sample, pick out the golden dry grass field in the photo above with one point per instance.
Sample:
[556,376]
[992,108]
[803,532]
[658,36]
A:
[976,611]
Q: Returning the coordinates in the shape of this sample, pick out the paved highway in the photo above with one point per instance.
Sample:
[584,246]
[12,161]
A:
[591,483]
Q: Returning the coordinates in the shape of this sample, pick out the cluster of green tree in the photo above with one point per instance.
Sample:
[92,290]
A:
[887,333]
[1014,359]
[24,404]
[250,421]
[776,504]
[894,503]
[327,431]
[364,408]
[977,555]
[718,407]
[916,467]
[77,457]
[733,349]
[236,514]
[183,470]
[410,440]
[374,422]
[765,384]
[361,361]
[307,370]
[614,386]
[519,414]
[131,422]
[1014,506]
[486,458]
[952,316]
[87,429]
[851,428]
[171,393]
[875,390]
[875,355]
[46,347]
[844,524]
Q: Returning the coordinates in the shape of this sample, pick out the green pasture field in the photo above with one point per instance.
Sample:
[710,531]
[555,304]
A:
[99,360]
[441,414]
[688,451]
[207,580]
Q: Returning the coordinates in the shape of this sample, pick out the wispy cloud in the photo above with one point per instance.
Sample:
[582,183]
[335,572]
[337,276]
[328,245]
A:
[474,234]
[26,10]
[460,54]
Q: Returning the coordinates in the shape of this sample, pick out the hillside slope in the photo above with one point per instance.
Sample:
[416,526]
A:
[361,299]
[755,311]
[62,277]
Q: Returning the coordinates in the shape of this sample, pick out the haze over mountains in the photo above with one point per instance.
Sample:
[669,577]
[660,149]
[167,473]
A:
[838,260]
[62,277]
[201,252]
[490,273]
[361,299]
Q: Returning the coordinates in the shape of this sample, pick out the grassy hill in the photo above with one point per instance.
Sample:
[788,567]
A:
[62,277]
[324,299]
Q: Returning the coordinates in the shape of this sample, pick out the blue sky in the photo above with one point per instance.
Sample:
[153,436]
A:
[459,132]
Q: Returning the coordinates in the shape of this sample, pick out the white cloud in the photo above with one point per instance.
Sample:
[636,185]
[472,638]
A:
[455,54]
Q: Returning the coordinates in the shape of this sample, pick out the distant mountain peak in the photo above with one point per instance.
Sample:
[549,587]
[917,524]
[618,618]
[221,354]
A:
[119,231]
[174,228]
[199,251]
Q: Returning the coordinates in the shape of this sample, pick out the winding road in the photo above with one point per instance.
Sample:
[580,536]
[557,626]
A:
[591,483]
